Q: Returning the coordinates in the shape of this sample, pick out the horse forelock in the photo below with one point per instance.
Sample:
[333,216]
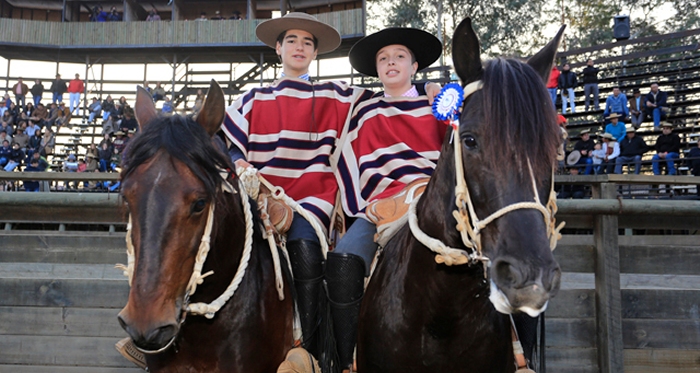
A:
[184,140]
[520,122]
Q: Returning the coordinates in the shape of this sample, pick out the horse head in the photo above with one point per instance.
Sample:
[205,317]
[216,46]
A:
[509,140]
[169,184]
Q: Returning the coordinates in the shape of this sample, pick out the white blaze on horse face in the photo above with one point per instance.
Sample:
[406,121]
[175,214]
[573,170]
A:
[502,305]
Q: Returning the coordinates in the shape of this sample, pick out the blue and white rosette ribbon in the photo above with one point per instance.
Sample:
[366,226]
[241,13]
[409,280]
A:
[447,103]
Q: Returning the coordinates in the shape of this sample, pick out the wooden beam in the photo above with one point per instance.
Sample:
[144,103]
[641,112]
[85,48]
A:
[675,35]
[607,284]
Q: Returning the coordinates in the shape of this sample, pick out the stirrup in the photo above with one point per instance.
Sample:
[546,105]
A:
[127,348]
[299,360]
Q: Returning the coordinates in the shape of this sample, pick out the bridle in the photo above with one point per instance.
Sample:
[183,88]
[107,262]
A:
[468,223]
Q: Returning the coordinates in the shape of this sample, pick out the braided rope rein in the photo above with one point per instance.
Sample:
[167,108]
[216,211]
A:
[468,224]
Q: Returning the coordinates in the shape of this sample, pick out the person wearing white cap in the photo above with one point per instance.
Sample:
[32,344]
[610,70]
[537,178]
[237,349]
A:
[611,148]
[288,131]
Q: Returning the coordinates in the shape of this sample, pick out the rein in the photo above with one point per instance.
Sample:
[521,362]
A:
[208,310]
[468,224]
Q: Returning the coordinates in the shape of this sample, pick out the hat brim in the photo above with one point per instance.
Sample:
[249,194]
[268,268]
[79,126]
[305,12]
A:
[424,46]
[327,36]
[613,116]
[573,158]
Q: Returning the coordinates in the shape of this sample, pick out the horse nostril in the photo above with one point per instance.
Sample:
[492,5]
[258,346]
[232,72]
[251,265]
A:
[552,280]
[507,275]
[122,322]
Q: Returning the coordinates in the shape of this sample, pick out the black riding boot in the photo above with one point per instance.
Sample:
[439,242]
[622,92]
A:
[345,279]
[307,264]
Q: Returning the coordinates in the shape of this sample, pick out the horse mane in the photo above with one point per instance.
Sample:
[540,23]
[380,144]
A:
[522,120]
[182,138]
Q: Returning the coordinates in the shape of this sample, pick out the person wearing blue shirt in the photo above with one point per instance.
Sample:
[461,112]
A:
[616,103]
[615,128]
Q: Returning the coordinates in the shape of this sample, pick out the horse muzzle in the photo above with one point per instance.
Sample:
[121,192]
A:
[151,339]
[514,291]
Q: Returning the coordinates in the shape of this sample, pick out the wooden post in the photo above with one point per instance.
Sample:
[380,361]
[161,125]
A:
[607,286]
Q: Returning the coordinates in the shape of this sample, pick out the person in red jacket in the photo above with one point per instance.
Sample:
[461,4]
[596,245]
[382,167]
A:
[553,83]
[75,88]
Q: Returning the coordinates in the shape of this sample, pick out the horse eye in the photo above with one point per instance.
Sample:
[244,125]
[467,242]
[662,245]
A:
[469,141]
[198,206]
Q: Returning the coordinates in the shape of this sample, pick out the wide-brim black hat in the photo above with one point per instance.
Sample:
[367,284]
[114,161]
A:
[424,46]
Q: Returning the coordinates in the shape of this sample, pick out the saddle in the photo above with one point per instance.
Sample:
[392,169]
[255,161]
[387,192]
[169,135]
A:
[391,213]
[273,211]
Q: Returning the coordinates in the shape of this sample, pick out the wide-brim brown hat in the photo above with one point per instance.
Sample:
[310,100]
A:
[327,36]
[424,46]
[573,158]
[613,115]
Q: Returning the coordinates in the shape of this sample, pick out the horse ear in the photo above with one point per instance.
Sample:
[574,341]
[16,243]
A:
[544,59]
[212,113]
[466,52]
[145,109]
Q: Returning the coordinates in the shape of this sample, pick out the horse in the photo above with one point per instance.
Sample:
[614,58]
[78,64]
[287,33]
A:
[424,312]
[181,196]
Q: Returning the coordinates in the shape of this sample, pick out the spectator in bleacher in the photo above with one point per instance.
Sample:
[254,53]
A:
[98,14]
[37,91]
[4,136]
[52,115]
[48,143]
[94,109]
[158,92]
[585,146]
[3,108]
[43,164]
[92,149]
[104,156]
[91,163]
[71,164]
[598,155]
[120,141]
[566,84]
[76,87]
[39,116]
[7,101]
[6,121]
[113,15]
[236,15]
[5,151]
[58,88]
[590,85]
[16,158]
[107,107]
[611,148]
[21,138]
[202,17]
[167,108]
[552,84]
[153,15]
[668,148]
[632,148]
[32,127]
[116,160]
[28,110]
[217,16]
[20,89]
[32,185]
[34,144]
[107,139]
[128,122]
[656,105]
[616,103]
[575,191]
[615,128]
[63,116]
[636,108]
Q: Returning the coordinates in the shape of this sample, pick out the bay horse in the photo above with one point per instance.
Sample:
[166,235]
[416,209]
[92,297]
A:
[427,313]
[177,186]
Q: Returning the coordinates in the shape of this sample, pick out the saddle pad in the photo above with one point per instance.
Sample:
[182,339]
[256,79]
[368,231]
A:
[390,214]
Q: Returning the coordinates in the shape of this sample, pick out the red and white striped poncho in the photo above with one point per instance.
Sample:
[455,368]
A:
[389,143]
[275,129]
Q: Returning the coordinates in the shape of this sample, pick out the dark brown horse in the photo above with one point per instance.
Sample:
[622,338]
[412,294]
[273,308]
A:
[171,180]
[421,316]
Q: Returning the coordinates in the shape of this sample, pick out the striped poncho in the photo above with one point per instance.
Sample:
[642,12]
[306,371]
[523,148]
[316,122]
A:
[388,143]
[275,129]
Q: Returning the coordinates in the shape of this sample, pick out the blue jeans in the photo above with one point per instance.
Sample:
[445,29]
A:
[588,162]
[359,240]
[57,97]
[20,100]
[37,100]
[621,160]
[656,114]
[570,93]
[670,157]
[553,95]
[74,101]
[301,229]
